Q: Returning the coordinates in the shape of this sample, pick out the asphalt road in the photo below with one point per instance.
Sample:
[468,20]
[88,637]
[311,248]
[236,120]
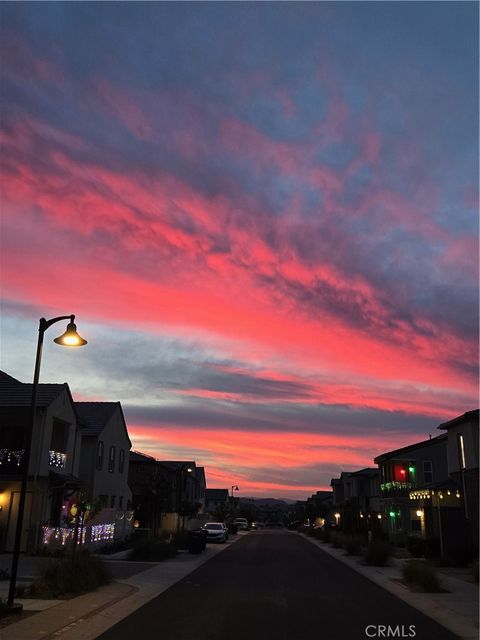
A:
[274,586]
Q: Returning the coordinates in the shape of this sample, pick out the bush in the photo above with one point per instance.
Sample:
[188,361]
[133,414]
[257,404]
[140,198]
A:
[416,546]
[337,539]
[353,545]
[421,575]
[377,553]
[114,547]
[432,548]
[70,575]
[152,551]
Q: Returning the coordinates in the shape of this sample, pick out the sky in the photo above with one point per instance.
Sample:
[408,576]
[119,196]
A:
[263,215]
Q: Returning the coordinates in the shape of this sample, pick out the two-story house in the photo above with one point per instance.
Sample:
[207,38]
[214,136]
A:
[216,502]
[104,460]
[54,459]
[356,500]
[402,472]
[154,493]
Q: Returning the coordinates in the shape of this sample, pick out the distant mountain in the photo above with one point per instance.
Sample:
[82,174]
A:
[269,502]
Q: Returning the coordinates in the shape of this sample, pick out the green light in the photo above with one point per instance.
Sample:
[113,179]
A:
[392,514]
[411,469]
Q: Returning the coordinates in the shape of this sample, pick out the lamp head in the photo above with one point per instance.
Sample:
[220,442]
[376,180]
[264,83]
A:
[70,338]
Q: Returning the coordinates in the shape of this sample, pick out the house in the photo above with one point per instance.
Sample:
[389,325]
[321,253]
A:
[402,471]
[356,501]
[54,458]
[104,460]
[216,501]
[189,484]
[154,493]
[166,494]
[463,469]
[78,469]
[448,508]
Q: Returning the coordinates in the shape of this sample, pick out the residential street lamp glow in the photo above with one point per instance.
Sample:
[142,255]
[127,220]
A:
[68,339]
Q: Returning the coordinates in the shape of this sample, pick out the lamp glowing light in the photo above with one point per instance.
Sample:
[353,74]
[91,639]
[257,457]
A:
[419,513]
[70,338]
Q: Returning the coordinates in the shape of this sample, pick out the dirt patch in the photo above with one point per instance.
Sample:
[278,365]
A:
[12,618]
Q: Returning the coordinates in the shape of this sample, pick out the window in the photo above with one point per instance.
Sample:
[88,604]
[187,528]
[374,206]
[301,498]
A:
[112,502]
[99,455]
[103,500]
[121,460]
[427,471]
[111,460]
[120,502]
[461,450]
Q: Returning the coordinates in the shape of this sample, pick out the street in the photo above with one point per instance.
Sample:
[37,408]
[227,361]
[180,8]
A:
[275,585]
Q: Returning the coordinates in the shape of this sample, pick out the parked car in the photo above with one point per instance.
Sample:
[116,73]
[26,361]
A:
[215,531]
[254,525]
[242,524]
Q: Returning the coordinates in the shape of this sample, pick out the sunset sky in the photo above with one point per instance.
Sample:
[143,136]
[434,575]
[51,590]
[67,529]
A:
[264,217]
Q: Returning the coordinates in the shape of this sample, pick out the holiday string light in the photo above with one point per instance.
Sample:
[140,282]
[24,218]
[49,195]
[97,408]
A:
[57,459]
[101,532]
[11,455]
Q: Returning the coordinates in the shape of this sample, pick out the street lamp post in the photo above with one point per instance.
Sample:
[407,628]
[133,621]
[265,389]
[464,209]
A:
[180,494]
[69,338]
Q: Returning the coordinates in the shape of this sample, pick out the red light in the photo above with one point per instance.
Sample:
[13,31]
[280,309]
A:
[402,471]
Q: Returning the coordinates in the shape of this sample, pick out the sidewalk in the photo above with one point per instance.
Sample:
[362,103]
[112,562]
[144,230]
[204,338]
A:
[456,610]
[86,617]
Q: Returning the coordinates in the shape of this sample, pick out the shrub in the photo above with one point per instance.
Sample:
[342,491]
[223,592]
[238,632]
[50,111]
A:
[338,539]
[377,553]
[70,575]
[420,574]
[353,545]
[416,546]
[152,551]
[432,548]
[309,531]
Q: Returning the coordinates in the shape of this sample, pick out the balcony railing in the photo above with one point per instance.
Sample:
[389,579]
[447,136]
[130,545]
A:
[57,459]
[396,487]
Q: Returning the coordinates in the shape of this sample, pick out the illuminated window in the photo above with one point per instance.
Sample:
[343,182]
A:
[427,471]
[99,455]
[461,451]
[111,459]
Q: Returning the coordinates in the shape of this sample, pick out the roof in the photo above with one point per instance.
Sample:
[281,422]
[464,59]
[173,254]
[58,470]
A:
[368,471]
[93,417]
[465,417]
[216,494]
[14,393]
[418,445]
[179,464]
[5,378]
[136,456]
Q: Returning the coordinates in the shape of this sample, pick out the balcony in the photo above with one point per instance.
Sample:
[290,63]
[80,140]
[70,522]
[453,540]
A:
[396,488]
[57,459]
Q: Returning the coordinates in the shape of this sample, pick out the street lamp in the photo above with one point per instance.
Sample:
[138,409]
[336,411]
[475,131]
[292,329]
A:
[181,484]
[69,338]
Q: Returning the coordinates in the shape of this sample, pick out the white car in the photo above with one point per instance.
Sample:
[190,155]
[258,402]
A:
[242,524]
[215,531]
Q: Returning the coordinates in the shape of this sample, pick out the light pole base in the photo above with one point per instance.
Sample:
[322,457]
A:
[16,607]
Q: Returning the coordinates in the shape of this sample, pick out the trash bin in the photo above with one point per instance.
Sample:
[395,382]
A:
[196,541]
